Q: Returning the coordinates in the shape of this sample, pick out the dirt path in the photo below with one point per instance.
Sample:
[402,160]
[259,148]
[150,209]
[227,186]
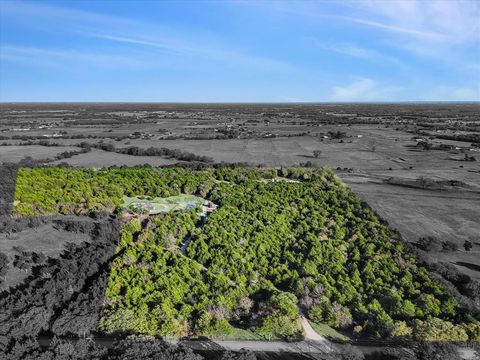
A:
[313,343]
[310,334]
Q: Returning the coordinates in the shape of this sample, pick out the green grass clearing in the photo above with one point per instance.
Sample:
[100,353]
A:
[162,205]
[328,332]
[243,334]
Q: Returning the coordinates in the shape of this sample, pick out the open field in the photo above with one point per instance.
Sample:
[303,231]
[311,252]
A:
[98,158]
[410,210]
[379,142]
[162,205]
[376,148]
[48,239]
[328,332]
[416,166]
[16,153]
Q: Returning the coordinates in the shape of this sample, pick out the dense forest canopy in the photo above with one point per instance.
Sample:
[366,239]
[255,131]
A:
[282,241]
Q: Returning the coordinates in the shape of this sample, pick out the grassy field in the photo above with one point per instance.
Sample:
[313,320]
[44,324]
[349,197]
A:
[446,215]
[47,239]
[100,158]
[162,205]
[17,153]
[328,332]
[242,334]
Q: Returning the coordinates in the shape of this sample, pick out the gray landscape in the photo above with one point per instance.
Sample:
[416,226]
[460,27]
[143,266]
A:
[240,180]
[415,165]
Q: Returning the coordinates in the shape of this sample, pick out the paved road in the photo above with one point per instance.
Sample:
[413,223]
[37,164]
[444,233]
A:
[306,346]
[313,343]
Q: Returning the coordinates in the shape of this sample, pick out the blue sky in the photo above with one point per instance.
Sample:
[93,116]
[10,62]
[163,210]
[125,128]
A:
[241,51]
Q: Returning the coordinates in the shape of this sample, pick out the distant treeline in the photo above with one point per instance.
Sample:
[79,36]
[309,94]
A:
[40,137]
[28,161]
[131,150]
[473,138]
[151,151]
[465,289]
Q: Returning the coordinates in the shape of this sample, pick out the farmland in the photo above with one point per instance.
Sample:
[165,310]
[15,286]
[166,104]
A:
[381,142]
[364,184]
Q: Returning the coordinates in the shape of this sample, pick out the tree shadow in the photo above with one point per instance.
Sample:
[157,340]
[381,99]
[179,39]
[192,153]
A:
[471,266]
[8,174]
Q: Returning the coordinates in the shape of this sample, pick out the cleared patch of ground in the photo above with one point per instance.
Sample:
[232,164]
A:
[327,331]
[162,205]
[418,213]
[47,239]
[466,262]
[447,215]
[100,158]
[17,153]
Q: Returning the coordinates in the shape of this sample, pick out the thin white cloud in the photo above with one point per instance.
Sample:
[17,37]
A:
[453,93]
[24,11]
[444,31]
[363,89]
[133,41]
[177,41]
[398,29]
[179,46]
[429,23]
[356,51]
[63,58]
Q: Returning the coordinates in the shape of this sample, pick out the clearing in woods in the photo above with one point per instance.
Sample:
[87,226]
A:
[162,205]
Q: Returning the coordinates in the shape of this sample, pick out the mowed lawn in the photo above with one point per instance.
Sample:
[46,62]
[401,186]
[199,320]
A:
[162,205]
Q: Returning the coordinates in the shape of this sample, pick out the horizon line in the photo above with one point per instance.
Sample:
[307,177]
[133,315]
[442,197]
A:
[249,102]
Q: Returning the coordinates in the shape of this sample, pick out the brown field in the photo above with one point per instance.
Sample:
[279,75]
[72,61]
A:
[99,158]
[378,156]
[46,239]
[16,153]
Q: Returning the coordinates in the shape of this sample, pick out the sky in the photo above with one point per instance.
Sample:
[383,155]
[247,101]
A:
[240,51]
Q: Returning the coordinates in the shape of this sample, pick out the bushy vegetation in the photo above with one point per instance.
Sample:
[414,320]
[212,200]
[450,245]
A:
[8,175]
[305,241]
[125,349]
[41,191]
[63,295]
[151,151]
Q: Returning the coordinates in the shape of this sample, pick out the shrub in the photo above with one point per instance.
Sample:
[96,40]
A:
[434,329]
[401,330]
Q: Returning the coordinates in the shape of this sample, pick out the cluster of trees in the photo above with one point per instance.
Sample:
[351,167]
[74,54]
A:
[24,259]
[66,155]
[42,191]
[4,262]
[465,289]
[40,142]
[311,242]
[151,151]
[313,239]
[422,350]
[63,298]
[63,135]
[8,176]
[63,295]
[473,138]
[337,134]
[432,243]
[154,289]
[125,349]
